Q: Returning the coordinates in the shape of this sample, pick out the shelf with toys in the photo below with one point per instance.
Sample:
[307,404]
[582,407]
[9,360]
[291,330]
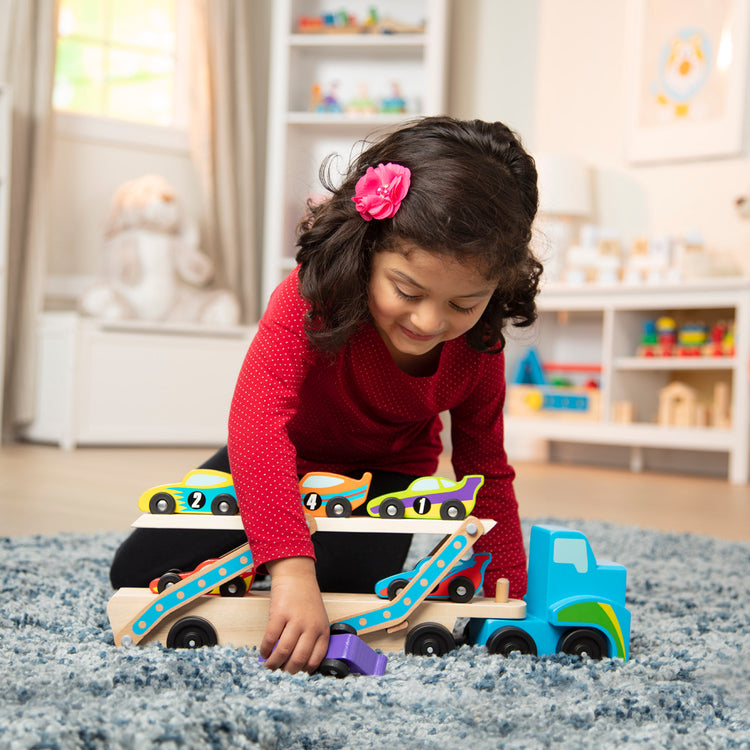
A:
[337,77]
[672,365]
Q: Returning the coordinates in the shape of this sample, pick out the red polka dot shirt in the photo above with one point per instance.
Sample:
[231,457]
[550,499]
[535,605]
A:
[295,410]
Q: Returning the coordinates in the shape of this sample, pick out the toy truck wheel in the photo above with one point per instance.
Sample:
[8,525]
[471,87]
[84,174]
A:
[168,579]
[191,632]
[334,668]
[392,507]
[584,641]
[452,510]
[161,502]
[461,589]
[396,587]
[235,587]
[342,628]
[338,507]
[224,505]
[429,639]
[509,639]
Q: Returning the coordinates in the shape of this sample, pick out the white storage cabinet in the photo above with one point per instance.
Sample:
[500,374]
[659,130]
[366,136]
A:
[131,383]
[590,325]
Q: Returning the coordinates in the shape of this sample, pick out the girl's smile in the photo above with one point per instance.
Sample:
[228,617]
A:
[419,299]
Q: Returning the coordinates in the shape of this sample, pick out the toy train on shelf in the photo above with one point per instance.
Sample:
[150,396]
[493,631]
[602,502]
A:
[574,604]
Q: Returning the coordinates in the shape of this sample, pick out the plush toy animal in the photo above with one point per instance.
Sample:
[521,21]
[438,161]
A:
[153,267]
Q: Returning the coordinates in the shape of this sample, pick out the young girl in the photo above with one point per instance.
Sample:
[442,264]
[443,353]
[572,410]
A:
[407,275]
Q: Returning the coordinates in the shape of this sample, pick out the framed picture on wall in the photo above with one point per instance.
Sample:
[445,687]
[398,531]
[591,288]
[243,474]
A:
[688,79]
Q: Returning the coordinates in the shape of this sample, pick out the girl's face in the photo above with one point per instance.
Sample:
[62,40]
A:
[419,299]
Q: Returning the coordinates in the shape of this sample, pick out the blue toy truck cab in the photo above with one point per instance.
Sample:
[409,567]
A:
[574,604]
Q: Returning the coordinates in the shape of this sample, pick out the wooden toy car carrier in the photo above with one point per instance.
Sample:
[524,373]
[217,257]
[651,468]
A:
[181,616]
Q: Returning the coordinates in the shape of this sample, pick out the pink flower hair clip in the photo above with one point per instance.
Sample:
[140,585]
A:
[378,194]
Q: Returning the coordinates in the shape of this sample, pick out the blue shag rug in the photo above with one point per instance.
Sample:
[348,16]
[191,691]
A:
[63,684]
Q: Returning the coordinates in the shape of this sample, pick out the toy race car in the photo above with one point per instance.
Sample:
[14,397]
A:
[430,497]
[333,495]
[459,585]
[237,586]
[201,491]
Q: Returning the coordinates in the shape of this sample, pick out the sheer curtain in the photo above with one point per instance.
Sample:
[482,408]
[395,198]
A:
[27,61]
[222,141]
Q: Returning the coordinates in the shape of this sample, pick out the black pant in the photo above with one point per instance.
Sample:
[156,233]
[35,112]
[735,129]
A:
[344,562]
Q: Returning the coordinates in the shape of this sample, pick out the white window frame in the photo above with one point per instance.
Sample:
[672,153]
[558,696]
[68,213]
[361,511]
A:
[112,131]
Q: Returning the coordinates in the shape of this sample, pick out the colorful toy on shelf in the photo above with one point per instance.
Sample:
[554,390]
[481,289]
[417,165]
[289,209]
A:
[574,604]
[429,497]
[659,338]
[533,394]
[363,103]
[333,495]
[395,103]
[465,579]
[237,586]
[720,340]
[691,339]
[343,22]
[327,103]
[664,337]
[201,491]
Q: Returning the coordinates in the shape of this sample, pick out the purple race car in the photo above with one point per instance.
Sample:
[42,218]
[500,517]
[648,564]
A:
[430,497]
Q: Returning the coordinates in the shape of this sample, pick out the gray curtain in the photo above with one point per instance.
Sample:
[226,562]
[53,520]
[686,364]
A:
[222,142]
[27,60]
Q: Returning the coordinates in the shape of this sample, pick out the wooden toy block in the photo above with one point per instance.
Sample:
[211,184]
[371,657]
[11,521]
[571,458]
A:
[570,402]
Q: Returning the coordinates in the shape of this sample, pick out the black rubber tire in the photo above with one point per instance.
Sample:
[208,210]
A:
[452,510]
[234,587]
[162,503]
[461,590]
[396,587]
[334,668]
[429,639]
[584,641]
[191,632]
[509,639]
[338,507]
[224,505]
[170,578]
[392,507]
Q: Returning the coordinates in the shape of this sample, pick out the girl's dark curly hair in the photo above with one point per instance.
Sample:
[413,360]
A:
[473,198]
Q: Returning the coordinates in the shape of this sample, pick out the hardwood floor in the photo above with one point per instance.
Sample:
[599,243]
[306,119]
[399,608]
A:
[46,490]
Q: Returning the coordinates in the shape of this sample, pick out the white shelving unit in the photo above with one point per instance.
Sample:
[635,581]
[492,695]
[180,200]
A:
[5,124]
[603,325]
[299,139]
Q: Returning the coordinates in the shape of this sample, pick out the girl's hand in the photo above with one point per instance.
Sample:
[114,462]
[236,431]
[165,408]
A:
[296,637]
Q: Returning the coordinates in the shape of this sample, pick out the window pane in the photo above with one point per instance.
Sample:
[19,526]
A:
[140,87]
[82,18]
[145,23]
[78,77]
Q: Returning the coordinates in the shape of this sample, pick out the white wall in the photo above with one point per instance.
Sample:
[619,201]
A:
[85,175]
[584,59]
[492,71]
